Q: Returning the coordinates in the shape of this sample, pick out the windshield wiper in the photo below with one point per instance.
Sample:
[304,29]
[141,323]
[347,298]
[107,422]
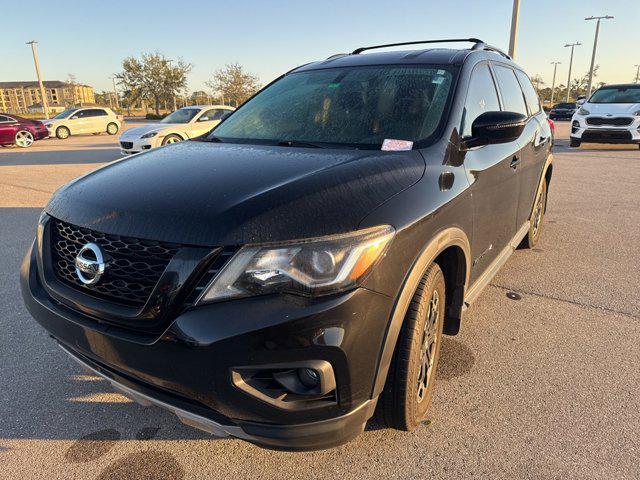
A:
[296,143]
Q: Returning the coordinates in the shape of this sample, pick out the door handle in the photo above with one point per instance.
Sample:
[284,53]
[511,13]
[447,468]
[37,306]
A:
[515,161]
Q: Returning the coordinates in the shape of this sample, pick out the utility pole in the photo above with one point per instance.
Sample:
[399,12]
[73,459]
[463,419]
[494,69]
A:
[115,91]
[572,45]
[43,95]
[553,82]
[514,28]
[595,45]
[637,73]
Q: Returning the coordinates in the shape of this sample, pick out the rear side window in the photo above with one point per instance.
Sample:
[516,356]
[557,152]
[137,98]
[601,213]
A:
[512,97]
[95,112]
[5,119]
[219,113]
[530,94]
[481,97]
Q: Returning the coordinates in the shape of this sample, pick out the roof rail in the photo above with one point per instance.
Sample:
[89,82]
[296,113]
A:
[483,46]
[444,40]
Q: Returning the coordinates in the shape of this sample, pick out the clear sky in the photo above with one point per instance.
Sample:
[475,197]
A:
[90,38]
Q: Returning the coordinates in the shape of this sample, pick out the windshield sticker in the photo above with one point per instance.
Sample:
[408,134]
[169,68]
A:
[437,80]
[393,145]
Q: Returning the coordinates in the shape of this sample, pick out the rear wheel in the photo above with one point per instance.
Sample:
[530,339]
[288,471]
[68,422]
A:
[535,224]
[24,139]
[575,143]
[407,392]
[62,133]
[169,139]
[112,128]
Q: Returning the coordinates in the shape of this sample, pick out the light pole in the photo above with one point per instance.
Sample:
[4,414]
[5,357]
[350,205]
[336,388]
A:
[637,73]
[115,91]
[43,96]
[572,45]
[595,45]
[553,82]
[514,28]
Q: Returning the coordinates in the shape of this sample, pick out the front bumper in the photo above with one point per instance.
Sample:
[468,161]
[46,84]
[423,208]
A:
[608,133]
[187,368]
[129,146]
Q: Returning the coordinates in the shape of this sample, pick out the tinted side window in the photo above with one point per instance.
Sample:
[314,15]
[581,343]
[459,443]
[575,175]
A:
[530,94]
[510,88]
[219,114]
[208,115]
[94,112]
[5,119]
[481,97]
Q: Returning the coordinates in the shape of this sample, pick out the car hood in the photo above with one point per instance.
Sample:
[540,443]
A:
[215,194]
[137,132]
[612,108]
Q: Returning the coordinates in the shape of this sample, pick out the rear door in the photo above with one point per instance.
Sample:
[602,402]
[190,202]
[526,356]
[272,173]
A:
[535,151]
[494,182]
[96,120]
[78,122]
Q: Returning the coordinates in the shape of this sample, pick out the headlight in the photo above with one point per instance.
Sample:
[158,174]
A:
[636,113]
[313,267]
[583,111]
[149,135]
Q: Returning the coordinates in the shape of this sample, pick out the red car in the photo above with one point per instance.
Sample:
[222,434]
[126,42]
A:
[15,130]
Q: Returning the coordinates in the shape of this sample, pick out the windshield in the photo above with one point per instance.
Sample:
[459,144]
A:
[354,107]
[621,94]
[66,113]
[184,115]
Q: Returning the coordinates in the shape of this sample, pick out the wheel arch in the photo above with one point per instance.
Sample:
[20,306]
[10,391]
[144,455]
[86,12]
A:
[451,250]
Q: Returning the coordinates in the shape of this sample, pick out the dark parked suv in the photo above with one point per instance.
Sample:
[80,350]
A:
[294,270]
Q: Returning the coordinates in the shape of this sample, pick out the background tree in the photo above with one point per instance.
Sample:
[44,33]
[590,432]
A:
[154,77]
[234,83]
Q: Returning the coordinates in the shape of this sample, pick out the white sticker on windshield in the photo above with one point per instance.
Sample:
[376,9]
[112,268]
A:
[393,145]
[437,80]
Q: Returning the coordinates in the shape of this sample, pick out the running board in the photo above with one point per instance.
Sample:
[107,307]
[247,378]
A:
[495,266]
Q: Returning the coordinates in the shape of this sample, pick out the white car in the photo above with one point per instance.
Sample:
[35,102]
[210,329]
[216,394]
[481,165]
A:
[75,121]
[611,115]
[183,124]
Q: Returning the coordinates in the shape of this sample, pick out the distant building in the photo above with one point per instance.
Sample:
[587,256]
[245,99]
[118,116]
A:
[18,97]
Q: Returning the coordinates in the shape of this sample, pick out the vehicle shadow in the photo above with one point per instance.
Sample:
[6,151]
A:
[83,154]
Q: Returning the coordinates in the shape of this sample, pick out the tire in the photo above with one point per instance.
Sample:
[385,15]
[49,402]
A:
[573,143]
[407,393]
[62,133]
[172,138]
[537,215]
[112,128]
[23,139]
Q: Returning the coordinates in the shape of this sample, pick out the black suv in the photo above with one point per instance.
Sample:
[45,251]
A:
[293,271]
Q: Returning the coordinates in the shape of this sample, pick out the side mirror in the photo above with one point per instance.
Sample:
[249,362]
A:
[495,127]
[581,101]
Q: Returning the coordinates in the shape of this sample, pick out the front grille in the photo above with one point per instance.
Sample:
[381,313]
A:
[614,121]
[126,145]
[133,269]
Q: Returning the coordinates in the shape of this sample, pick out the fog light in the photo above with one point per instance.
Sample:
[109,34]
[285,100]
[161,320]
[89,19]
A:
[309,377]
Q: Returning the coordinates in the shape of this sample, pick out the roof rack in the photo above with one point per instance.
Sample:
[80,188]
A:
[477,45]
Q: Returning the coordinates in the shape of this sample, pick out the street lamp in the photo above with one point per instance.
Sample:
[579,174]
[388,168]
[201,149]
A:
[572,45]
[637,73]
[514,28]
[45,107]
[595,45]
[553,82]
[115,92]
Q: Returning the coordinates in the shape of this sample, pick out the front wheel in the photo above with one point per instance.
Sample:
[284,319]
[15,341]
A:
[574,143]
[62,133]
[169,139]
[112,128]
[407,393]
[24,139]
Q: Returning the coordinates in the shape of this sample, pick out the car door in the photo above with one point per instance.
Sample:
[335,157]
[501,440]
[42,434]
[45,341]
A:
[7,129]
[78,122]
[205,122]
[494,181]
[535,145]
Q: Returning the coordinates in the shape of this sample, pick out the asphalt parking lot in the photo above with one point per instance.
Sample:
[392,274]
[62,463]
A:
[547,386]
